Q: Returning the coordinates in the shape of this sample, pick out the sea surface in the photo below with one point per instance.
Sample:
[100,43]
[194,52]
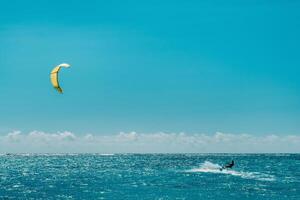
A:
[149,176]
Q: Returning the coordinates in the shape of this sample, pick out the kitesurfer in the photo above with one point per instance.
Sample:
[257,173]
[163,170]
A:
[228,166]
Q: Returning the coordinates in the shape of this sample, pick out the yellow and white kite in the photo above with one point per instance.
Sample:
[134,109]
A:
[54,76]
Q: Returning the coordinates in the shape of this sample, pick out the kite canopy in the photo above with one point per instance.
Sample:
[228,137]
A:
[54,76]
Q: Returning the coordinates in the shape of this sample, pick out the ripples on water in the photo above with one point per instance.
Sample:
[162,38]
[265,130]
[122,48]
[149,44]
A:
[150,176]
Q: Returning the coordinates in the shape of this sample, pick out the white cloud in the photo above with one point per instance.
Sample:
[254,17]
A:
[13,136]
[41,136]
[132,142]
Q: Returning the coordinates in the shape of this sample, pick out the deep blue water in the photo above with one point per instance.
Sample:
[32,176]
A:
[149,176]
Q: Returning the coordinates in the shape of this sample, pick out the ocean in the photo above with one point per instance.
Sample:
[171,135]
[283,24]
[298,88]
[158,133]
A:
[149,176]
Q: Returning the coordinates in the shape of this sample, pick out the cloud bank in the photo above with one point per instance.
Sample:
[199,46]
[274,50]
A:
[132,142]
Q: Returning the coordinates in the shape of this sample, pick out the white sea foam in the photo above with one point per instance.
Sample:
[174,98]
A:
[209,167]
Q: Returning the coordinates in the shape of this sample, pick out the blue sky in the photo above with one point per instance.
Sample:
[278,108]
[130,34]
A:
[148,66]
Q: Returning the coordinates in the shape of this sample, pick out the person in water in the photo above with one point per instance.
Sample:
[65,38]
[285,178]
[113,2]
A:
[228,166]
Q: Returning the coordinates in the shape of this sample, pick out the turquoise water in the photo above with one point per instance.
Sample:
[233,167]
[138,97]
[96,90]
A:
[149,176]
